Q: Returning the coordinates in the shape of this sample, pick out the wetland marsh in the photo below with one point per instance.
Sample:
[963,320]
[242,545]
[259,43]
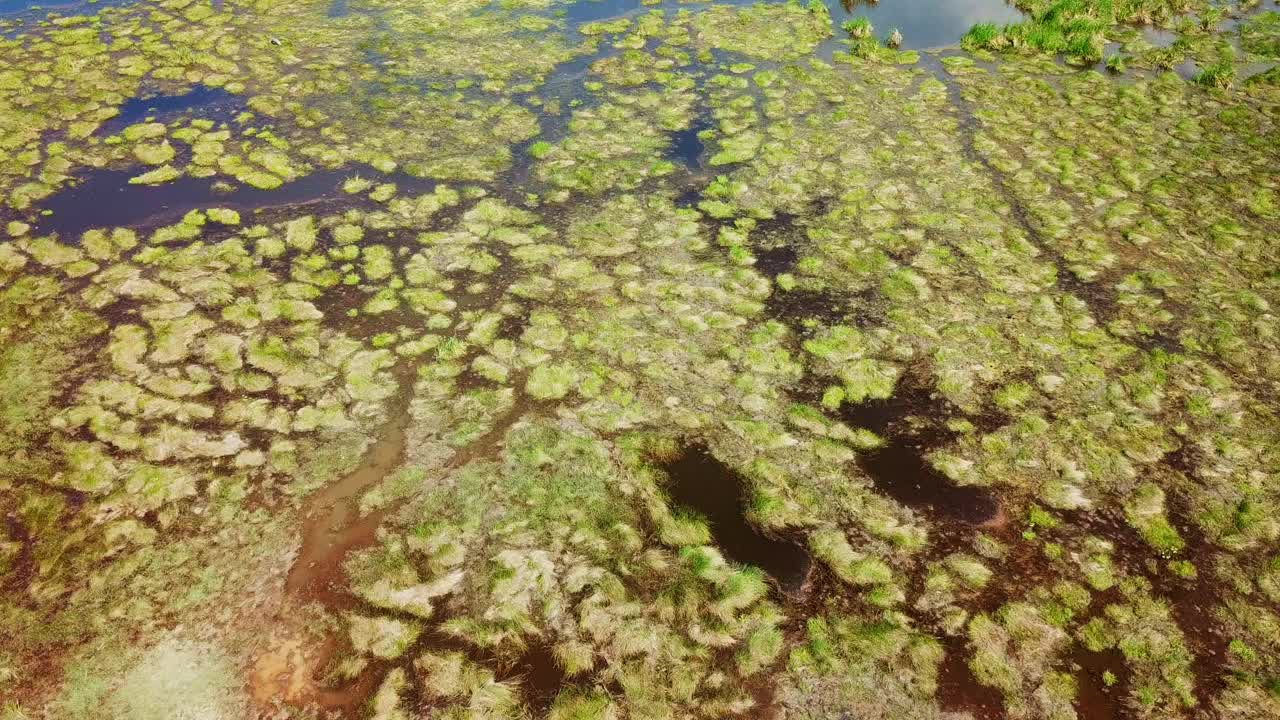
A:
[639,359]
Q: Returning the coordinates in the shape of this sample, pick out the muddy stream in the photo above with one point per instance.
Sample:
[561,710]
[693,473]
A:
[292,663]
[332,526]
[296,661]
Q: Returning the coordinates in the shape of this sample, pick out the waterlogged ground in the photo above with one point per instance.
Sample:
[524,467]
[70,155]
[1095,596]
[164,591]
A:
[522,358]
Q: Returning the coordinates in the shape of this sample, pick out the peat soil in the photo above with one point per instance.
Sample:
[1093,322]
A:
[959,691]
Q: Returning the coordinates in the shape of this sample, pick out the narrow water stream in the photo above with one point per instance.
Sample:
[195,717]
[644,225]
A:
[291,666]
[332,526]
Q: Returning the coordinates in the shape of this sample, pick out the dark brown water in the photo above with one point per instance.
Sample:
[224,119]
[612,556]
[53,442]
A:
[800,307]
[704,485]
[911,425]
[1094,699]
[959,691]
[775,261]
[539,675]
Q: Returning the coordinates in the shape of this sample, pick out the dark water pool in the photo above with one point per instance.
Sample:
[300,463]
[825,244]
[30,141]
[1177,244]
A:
[704,485]
[212,103]
[686,146]
[901,469]
[106,199]
[62,7]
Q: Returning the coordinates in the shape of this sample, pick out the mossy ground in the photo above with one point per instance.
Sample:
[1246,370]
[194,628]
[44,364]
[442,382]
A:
[1041,290]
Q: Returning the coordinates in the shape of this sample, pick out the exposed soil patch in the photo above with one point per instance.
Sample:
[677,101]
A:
[706,486]
[285,672]
[293,669]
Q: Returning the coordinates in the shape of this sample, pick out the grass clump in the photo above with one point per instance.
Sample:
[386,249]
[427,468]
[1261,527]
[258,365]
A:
[765,30]
[545,528]
[550,382]
[863,666]
[1145,512]
[159,176]
[1260,34]
[1075,28]
[1219,74]
[832,547]
[858,28]
[981,36]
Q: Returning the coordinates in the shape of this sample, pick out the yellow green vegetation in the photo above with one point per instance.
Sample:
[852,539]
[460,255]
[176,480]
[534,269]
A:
[414,343]
[1080,31]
